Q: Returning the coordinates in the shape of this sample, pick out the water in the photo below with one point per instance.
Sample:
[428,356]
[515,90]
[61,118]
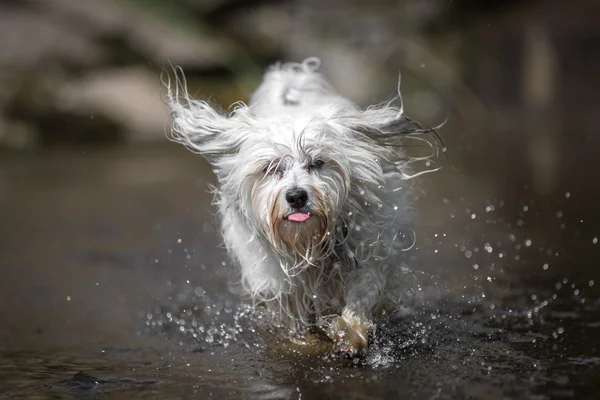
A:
[114,286]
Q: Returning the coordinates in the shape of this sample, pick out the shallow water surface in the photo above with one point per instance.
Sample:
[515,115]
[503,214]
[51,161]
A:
[114,286]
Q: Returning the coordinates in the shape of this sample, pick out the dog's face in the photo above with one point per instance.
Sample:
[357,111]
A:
[294,184]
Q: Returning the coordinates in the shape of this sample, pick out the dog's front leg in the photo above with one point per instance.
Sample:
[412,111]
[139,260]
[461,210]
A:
[351,329]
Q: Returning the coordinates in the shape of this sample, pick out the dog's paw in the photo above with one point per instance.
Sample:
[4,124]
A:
[350,332]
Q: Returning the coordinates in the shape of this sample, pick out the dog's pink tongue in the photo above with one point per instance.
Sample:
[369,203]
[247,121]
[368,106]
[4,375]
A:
[298,217]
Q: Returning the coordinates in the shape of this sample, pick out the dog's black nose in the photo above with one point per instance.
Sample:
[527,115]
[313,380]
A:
[296,197]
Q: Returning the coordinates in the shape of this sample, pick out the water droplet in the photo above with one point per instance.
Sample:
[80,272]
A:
[559,214]
[568,194]
[525,208]
[595,240]
[68,298]
[395,208]
[473,216]
[468,254]
[528,242]
[179,240]
[545,266]
[591,283]
[475,266]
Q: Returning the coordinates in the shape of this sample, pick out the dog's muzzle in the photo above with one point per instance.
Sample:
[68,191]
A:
[297,199]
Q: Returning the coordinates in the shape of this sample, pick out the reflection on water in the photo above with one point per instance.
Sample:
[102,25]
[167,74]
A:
[122,279]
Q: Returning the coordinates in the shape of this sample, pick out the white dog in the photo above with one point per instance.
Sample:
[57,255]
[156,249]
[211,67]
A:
[313,197]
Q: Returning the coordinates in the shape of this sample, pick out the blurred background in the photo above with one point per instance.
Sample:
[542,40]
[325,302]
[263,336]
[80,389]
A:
[102,217]
[516,78]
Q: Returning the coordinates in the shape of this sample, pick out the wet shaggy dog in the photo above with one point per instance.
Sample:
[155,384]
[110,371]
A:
[313,195]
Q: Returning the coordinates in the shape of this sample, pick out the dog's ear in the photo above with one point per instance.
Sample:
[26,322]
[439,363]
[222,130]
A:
[389,126]
[202,128]
[394,137]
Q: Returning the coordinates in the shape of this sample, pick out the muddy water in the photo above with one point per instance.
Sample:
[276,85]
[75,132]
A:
[113,285]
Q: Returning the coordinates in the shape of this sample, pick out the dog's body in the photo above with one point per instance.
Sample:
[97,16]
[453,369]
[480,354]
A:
[313,196]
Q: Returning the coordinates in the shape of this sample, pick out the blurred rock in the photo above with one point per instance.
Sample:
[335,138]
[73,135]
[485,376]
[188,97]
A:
[130,96]
[31,99]
[147,32]
[71,69]
[30,39]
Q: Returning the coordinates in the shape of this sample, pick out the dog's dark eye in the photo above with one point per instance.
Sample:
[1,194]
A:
[269,170]
[317,164]
[273,169]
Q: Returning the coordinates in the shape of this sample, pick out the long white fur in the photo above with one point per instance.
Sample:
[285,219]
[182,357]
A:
[348,261]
